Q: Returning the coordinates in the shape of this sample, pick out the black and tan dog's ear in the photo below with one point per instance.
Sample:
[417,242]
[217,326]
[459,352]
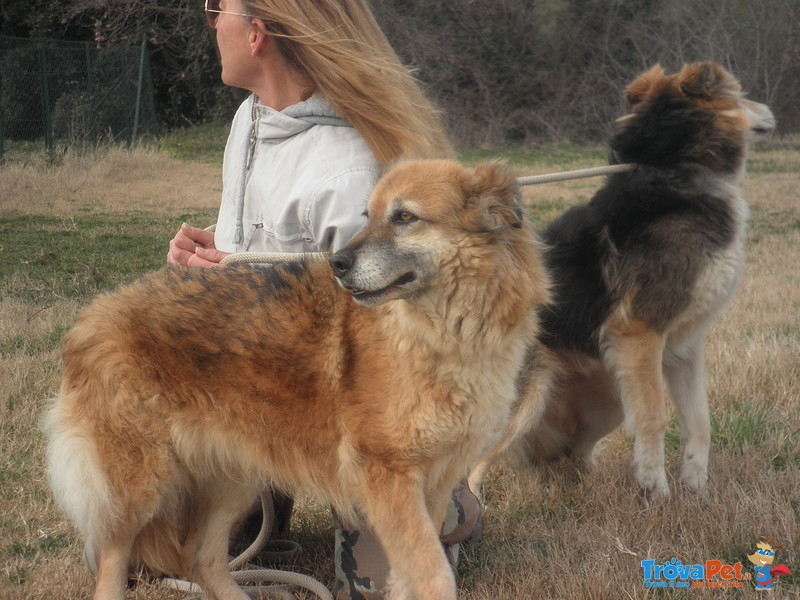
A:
[495,194]
[643,85]
[697,79]
[707,79]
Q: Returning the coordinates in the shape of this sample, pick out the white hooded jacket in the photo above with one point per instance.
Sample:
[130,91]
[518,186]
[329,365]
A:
[293,181]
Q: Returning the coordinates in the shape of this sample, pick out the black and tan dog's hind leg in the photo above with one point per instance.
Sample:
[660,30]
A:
[633,352]
[567,402]
[684,370]
[534,384]
[583,407]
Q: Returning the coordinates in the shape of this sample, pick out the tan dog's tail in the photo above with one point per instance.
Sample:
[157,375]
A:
[76,478]
[81,488]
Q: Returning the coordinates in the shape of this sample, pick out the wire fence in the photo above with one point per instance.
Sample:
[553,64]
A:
[58,92]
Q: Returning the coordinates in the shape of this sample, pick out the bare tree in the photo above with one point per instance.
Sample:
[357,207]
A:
[503,71]
[184,59]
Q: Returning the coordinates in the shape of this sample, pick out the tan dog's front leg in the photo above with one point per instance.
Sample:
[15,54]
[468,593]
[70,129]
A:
[395,507]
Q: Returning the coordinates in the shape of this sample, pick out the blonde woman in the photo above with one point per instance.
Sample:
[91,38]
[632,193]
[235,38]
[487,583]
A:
[331,104]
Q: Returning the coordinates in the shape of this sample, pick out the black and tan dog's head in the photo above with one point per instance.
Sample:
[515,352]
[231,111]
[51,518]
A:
[698,115]
[427,219]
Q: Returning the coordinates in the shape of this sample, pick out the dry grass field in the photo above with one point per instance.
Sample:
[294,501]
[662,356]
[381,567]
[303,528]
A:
[70,230]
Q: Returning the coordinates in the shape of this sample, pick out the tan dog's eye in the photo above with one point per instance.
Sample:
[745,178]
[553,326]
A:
[403,216]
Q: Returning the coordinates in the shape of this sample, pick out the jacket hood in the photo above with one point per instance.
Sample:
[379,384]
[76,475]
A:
[273,124]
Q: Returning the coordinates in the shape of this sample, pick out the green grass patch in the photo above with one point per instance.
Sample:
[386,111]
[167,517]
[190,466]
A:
[34,152]
[29,388]
[45,258]
[772,223]
[742,429]
[201,143]
[542,212]
[43,545]
[748,426]
[204,143]
[20,344]
[10,476]
[769,163]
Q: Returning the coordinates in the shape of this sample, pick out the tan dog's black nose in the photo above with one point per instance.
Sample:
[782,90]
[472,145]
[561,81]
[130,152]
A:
[341,263]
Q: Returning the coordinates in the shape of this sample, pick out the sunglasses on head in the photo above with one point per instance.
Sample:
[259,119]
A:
[213,12]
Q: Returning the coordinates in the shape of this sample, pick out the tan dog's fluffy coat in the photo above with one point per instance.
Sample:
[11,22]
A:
[187,392]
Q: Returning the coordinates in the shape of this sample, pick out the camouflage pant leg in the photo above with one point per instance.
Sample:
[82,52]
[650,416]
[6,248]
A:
[462,523]
[464,519]
[362,568]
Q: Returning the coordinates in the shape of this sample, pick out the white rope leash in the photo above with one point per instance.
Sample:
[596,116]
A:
[241,258]
[279,579]
[577,174]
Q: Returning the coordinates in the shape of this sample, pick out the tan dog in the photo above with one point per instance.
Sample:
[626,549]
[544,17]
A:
[639,273]
[185,393]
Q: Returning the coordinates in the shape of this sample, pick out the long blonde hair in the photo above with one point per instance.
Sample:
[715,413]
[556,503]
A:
[339,49]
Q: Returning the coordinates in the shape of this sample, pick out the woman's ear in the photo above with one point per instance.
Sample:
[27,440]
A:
[259,37]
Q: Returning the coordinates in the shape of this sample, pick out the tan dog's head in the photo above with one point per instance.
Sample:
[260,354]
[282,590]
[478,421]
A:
[426,221]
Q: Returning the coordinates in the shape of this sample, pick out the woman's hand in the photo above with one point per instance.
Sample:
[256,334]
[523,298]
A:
[193,247]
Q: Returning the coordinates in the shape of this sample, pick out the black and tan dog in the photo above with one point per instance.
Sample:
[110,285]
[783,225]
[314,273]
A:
[639,273]
[185,393]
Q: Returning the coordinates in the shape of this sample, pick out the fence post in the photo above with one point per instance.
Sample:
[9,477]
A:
[2,136]
[45,76]
[138,108]
[2,127]
[88,50]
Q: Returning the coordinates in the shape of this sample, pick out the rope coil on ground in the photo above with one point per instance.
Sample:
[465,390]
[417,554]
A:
[280,579]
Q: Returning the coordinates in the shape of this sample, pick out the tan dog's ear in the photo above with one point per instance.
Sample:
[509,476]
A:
[641,87]
[495,194]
